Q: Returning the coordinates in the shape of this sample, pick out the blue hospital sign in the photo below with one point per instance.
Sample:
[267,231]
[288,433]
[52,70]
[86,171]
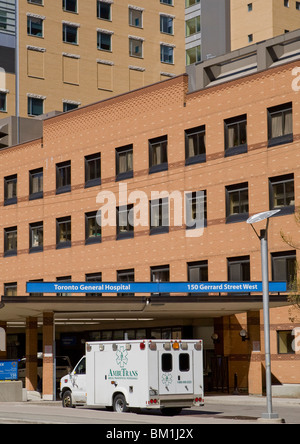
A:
[153,287]
[8,370]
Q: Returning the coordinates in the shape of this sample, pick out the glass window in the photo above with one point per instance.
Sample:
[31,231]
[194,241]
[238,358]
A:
[166,362]
[10,190]
[92,170]
[195,151]
[192,26]
[124,162]
[160,274]
[70,34]
[3,99]
[135,47]
[36,2]
[36,235]
[125,222]
[237,203]
[196,209]
[63,232]
[104,10]
[125,276]
[184,362]
[280,124]
[166,54]
[285,340]
[166,24]
[189,3]
[70,5]
[135,18]
[158,154]
[167,2]
[92,228]
[103,41]
[63,177]
[69,106]
[10,289]
[64,279]
[35,106]
[93,277]
[282,193]
[239,269]
[284,268]
[10,241]
[193,55]
[36,184]
[159,216]
[236,135]
[35,26]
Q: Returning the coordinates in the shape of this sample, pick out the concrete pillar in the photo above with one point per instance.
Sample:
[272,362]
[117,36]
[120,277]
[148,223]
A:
[48,356]
[255,367]
[3,347]
[31,354]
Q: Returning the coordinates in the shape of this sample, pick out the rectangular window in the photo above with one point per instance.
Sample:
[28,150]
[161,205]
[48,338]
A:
[125,221]
[35,106]
[3,96]
[166,24]
[93,277]
[104,41]
[135,17]
[92,227]
[167,2]
[36,2]
[70,34]
[10,190]
[124,162]
[235,135]
[36,294]
[285,339]
[284,268]
[195,150]
[36,184]
[135,47]
[69,106]
[166,54]
[10,289]
[35,26]
[196,210]
[125,276]
[184,362]
[63,232]
[298,6]
[92,165]
[193,26]
[158,154]
[166,362]
[36,236]
[282,193]
[70,5]
[160,274]
[197,272]
[159,216]
[10,241]
[63,177]
[103,10]
[237,203]
[280,124]
[65,279]
[193,55]
[239,269]
[189,3]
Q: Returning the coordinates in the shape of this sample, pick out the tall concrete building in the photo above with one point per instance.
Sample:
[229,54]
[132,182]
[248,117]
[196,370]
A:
[75,52]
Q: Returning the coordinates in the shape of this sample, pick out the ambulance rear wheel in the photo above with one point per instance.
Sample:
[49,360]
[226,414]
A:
[119,404]
[67,399]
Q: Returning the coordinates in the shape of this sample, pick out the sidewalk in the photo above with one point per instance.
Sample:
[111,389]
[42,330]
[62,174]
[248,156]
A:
[248,400]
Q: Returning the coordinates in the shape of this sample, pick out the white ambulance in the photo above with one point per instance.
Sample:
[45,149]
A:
[147,374]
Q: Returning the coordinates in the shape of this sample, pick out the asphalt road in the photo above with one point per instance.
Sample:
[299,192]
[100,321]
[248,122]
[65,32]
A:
[217,410]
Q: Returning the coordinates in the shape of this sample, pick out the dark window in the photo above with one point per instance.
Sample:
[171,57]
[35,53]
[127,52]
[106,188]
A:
[10,241]
[104,41]
[166,362]
[237,203]
[92,227]
[3,101]
[196,210]
[195,151]
[92,170]
[284,268]
[184,362]
[166,24]
[36,184]
[104,10]
[285,339]
[239,269]
[198,272]
[35,26]
[36,294]
[236,135]
[158,154]
[124,162]
[69,106]
[63,232]
[65,279]
[10,289]
[70,5]
[36,2]
[93,277]
[159,216]
[280,124]
[160,274]
[10,190]
[282,193]
[167,54]
[63,177]
[36,235]
[70,34]
[125,222]
[125,276]
[35,106]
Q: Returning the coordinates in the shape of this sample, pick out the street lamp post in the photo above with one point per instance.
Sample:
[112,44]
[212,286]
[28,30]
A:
[263,237]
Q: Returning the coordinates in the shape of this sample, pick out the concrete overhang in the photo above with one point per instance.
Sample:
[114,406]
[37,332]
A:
[14,309]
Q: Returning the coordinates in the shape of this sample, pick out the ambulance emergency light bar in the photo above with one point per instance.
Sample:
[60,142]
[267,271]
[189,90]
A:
[153,287]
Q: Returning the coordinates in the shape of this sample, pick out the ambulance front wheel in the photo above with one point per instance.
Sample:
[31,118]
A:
[67,399]
[119,404]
